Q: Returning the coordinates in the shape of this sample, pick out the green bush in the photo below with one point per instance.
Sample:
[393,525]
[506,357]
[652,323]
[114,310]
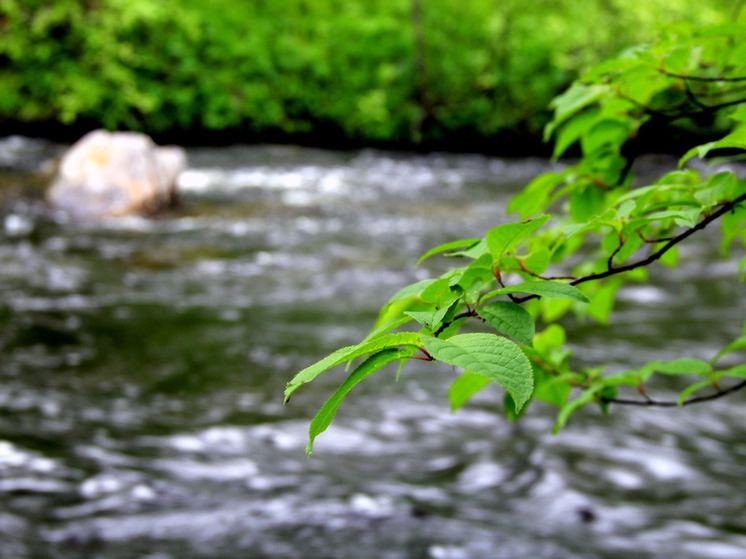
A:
[303,67]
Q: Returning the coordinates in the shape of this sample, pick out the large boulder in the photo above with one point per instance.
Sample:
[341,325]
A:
[108,174]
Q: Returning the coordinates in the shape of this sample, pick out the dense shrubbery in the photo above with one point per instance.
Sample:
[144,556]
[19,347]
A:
[354,69]
[585,232]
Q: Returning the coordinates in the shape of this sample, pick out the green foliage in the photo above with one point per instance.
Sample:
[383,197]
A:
[585,232]
[303,67]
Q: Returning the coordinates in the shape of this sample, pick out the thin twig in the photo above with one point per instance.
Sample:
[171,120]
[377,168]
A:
[610,261]
[611,271]
[671,404]
[652,241]
[703,78]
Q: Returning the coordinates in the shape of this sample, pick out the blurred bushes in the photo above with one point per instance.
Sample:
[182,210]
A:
[351,70]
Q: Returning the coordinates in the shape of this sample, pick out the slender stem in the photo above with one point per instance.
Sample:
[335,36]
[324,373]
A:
[671,404]
[610,261]
[703,78]
[724,209]
[612,271]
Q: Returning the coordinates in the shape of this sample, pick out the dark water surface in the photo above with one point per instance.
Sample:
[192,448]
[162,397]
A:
[143,363]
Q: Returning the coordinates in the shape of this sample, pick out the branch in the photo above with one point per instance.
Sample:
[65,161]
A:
[679,111]
[693,98]
[471,313]
[611,271]
[671,404]
[703,78]
[724,209]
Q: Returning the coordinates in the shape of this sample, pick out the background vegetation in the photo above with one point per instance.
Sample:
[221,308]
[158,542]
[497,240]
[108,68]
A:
[438,72]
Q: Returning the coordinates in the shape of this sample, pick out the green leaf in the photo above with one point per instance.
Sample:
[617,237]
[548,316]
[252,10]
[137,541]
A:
[412,290]
[574,228]
[732,226]
[551,388]
[375,362]
[689,390]
[552,337]
[476,278]
[538,261]
[425,318]
[586,203]
[496,358]
[572,130]
[553,309]
[505,237]
[432,319]
[685,218]
[605,133]
[719,188]
[736,345]
[474,252]
[585,398]
[700,151]
[577,97]
[510,319]
[387,327]
[534,197]
[735,140]
[440,293]
[602,300]
[511,412]
[631,377]
[453,245]
[739,371]
[682,367]
[464,387]
[348,353]
[544,288]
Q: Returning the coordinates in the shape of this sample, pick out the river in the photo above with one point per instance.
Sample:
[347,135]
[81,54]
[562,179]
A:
[144,360]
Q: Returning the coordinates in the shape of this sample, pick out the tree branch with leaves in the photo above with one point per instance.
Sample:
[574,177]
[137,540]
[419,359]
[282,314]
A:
[583,232]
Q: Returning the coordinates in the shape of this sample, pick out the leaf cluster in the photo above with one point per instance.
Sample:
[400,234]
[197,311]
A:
[583,232]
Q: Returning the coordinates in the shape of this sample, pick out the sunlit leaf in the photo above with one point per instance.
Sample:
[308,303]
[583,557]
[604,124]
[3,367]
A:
[739,371]
[585,398]
[577,97]
[736,139]
[505,237]
[550,289]
[496,358]
[375,362]
[682,367]
[604,134]
[464,387]
[453,245]
[736,345]
[691,389]
[510,319]
[571,131]
[389,326]
[412,290]
[533,198]
[348,353]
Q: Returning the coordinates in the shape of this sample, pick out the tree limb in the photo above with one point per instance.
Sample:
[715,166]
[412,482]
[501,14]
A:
[671,404]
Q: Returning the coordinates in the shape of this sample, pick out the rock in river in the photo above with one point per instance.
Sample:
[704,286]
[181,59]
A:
[109,174]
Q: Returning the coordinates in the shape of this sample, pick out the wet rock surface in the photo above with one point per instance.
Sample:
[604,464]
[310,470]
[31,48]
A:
[109,174]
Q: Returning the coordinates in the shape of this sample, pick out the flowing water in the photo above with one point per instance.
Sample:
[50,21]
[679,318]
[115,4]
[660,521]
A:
[143,363]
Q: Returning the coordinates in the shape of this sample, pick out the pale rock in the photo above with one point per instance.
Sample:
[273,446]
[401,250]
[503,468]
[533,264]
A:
[108,174]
